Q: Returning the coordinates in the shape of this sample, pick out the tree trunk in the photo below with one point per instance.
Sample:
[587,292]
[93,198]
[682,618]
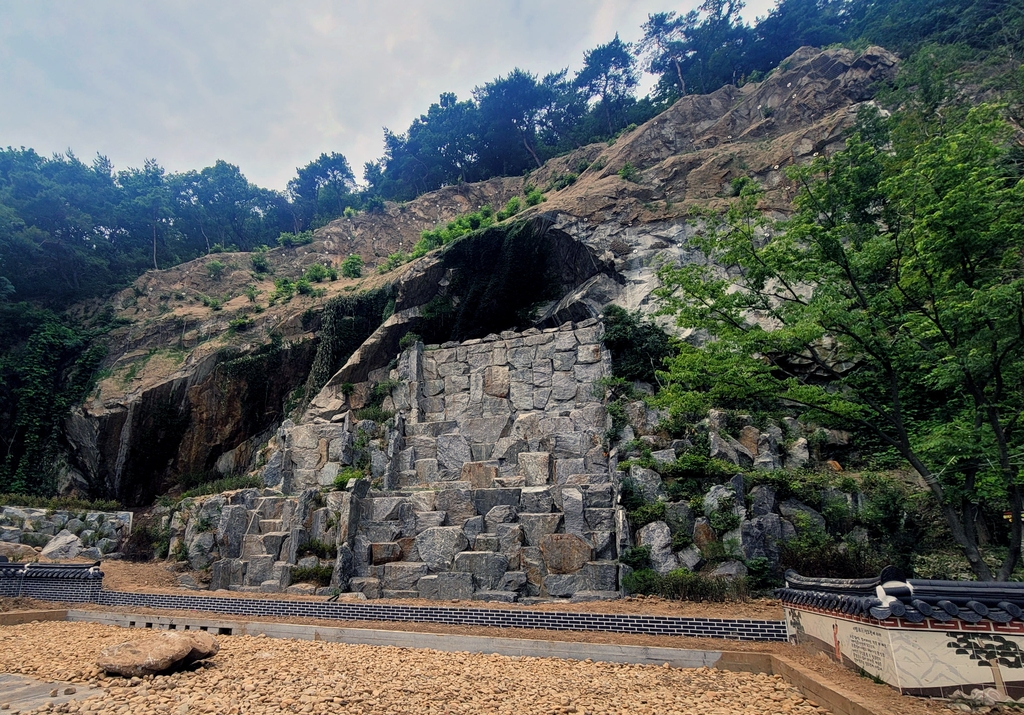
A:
[679,74]
[155,266]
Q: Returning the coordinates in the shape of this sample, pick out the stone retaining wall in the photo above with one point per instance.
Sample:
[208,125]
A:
[62,534]
[491,482]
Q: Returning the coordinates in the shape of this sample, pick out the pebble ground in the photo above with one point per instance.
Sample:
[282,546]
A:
[263,675]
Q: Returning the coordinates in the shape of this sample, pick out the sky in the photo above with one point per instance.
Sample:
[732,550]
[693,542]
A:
[268,86]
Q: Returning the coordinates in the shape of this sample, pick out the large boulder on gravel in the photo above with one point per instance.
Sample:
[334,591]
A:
[157,654]
[64,545]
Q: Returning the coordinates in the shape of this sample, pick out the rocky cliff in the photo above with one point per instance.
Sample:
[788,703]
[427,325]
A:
[205,366]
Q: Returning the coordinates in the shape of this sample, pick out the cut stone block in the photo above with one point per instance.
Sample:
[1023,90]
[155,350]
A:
[486,542]
[480,475]
[403,575]
[535,467]
[427,519]
[565,553]
[536,500]
[496,381]
[537,526]
[369,587]
[438,546]
[457,503]
[496,596]
[487,567]
[452,452]
[385,553]
[486,499]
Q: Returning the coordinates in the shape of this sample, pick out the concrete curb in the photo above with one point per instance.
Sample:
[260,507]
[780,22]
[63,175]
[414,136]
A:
[837,699]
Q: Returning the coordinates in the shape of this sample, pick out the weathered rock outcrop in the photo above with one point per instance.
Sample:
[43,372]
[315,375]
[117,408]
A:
[173,404]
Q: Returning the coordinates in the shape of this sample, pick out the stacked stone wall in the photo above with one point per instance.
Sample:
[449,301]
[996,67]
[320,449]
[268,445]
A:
[492,482]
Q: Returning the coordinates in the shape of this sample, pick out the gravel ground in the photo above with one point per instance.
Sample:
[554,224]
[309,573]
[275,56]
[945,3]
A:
[261,675]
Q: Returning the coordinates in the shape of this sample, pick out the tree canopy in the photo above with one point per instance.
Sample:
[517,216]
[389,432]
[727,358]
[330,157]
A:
[893,300]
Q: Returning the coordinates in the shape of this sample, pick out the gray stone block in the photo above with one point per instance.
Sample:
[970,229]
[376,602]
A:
[486,499]
[258,570]
[572,508]
[564,585]
[496,596]
[537,526]
[400,593]
[473,527]
[513,581]
[657,536]
[487,567]
[503,514]
[486,542]
[403,575]
[427,519]
[598,496]
[537,500]
[369,587]
[437,546]
[457,503]
[648,481]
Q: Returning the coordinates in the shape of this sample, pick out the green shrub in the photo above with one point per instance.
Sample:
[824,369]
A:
[644,581]
[259,261]
[511,209]
[241,324]
[534,197]
[30,538]
[57,503]
[393,261]
[374,413]
[349,212]
[216,269]
[211,302]
[251,292]
[628,172]
[320,549]
[224,484]
[681,540]
[646,514]
[320,575]
[561,181]
[304,287]
[284,289]
[724,520]
[637,557]
[408,340]
[352,267]
[760,576]
[684,585]
[290,240]
[316,273]
[345,476]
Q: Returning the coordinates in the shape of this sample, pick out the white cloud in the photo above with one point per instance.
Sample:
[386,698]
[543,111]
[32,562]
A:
[265,85]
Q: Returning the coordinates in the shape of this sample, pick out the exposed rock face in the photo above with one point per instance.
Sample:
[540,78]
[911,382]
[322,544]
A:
[187,394]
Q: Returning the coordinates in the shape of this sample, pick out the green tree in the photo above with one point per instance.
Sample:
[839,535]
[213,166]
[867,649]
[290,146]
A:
[609,75]
[352,267]
[892,301]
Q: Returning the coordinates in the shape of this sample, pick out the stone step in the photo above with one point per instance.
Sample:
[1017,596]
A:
[269,526]
[430,429]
